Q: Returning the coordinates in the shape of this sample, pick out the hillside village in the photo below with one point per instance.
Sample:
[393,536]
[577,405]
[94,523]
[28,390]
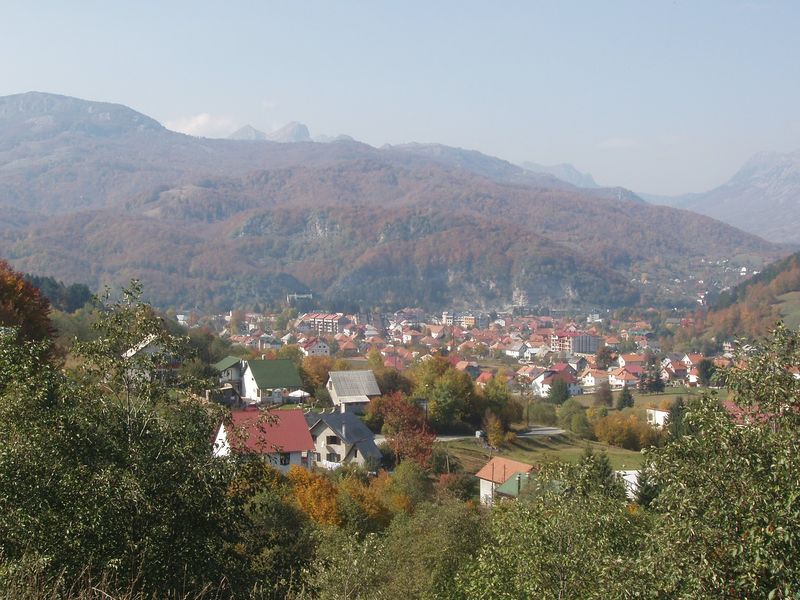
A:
[539,361]
[321,437]
[376,301]
[531,350]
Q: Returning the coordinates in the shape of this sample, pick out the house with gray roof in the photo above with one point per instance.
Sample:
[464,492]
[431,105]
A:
[341,438]
[351,391]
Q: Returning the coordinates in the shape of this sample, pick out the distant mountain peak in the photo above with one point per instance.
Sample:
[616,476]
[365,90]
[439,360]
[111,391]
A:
[290,133]
[248,132]
[39,114]
[477,162]
[564,172]
[327,139]
[762,197]
[770,167]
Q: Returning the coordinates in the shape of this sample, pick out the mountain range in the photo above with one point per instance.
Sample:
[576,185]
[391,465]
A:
[763,197]
[97,193]
[564,172]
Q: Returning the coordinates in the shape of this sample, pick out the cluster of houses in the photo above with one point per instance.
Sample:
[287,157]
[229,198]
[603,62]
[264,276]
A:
[278,381]
[289,437]
[292,437]
[549,348]
[580,373]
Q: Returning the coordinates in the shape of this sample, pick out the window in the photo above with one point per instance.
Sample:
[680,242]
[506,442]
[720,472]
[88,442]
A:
[284,458]
[333,457]
[332,440]
[355,452]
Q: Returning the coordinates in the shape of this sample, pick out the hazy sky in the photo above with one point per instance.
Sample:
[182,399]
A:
[662,97]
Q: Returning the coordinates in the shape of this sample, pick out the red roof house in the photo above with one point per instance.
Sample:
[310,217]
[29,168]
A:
[280,436]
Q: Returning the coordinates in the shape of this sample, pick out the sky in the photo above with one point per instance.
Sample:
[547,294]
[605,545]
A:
[660,97]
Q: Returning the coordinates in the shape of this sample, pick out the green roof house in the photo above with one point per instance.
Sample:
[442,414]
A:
[269,380]
[230,372]
[515,485]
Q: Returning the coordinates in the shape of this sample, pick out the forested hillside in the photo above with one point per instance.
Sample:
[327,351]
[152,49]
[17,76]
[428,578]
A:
[98,193]
[752,308]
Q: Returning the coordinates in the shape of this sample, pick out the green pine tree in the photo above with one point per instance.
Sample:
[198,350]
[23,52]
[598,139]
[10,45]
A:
[625,399]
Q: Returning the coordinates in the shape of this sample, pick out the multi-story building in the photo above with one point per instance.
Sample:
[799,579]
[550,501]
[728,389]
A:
[341,438]
[574,342]
[324,323]
[314,347]
[465,320]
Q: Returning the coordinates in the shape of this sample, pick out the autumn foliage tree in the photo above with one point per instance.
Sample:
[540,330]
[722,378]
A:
[495,434]
[23,306]
[406,430]
[625,431]
[315,494]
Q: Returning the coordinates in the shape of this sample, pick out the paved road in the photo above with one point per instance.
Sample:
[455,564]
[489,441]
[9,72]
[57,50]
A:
[536,430]
[532,432]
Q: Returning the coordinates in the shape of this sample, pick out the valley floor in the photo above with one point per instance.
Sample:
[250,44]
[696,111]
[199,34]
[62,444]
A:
[536,450]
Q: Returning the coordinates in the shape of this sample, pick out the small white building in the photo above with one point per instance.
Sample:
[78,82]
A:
[230,372]
[631,481]
[542,383]
[657,417]
[591,378]
[495,473]
[620,378]
[516,350]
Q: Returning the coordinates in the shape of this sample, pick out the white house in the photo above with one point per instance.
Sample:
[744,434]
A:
[532,353]
[591,378]
[269,380]
[691,360]
[630,479]
[314,347]
[516,350]
[631,359]
[230,372]
[619,378]
[657,417]
[542,383]
[269,342]
[148,360]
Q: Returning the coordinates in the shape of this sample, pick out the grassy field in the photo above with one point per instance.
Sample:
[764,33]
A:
[790,308]
[536,450]
[642,400]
